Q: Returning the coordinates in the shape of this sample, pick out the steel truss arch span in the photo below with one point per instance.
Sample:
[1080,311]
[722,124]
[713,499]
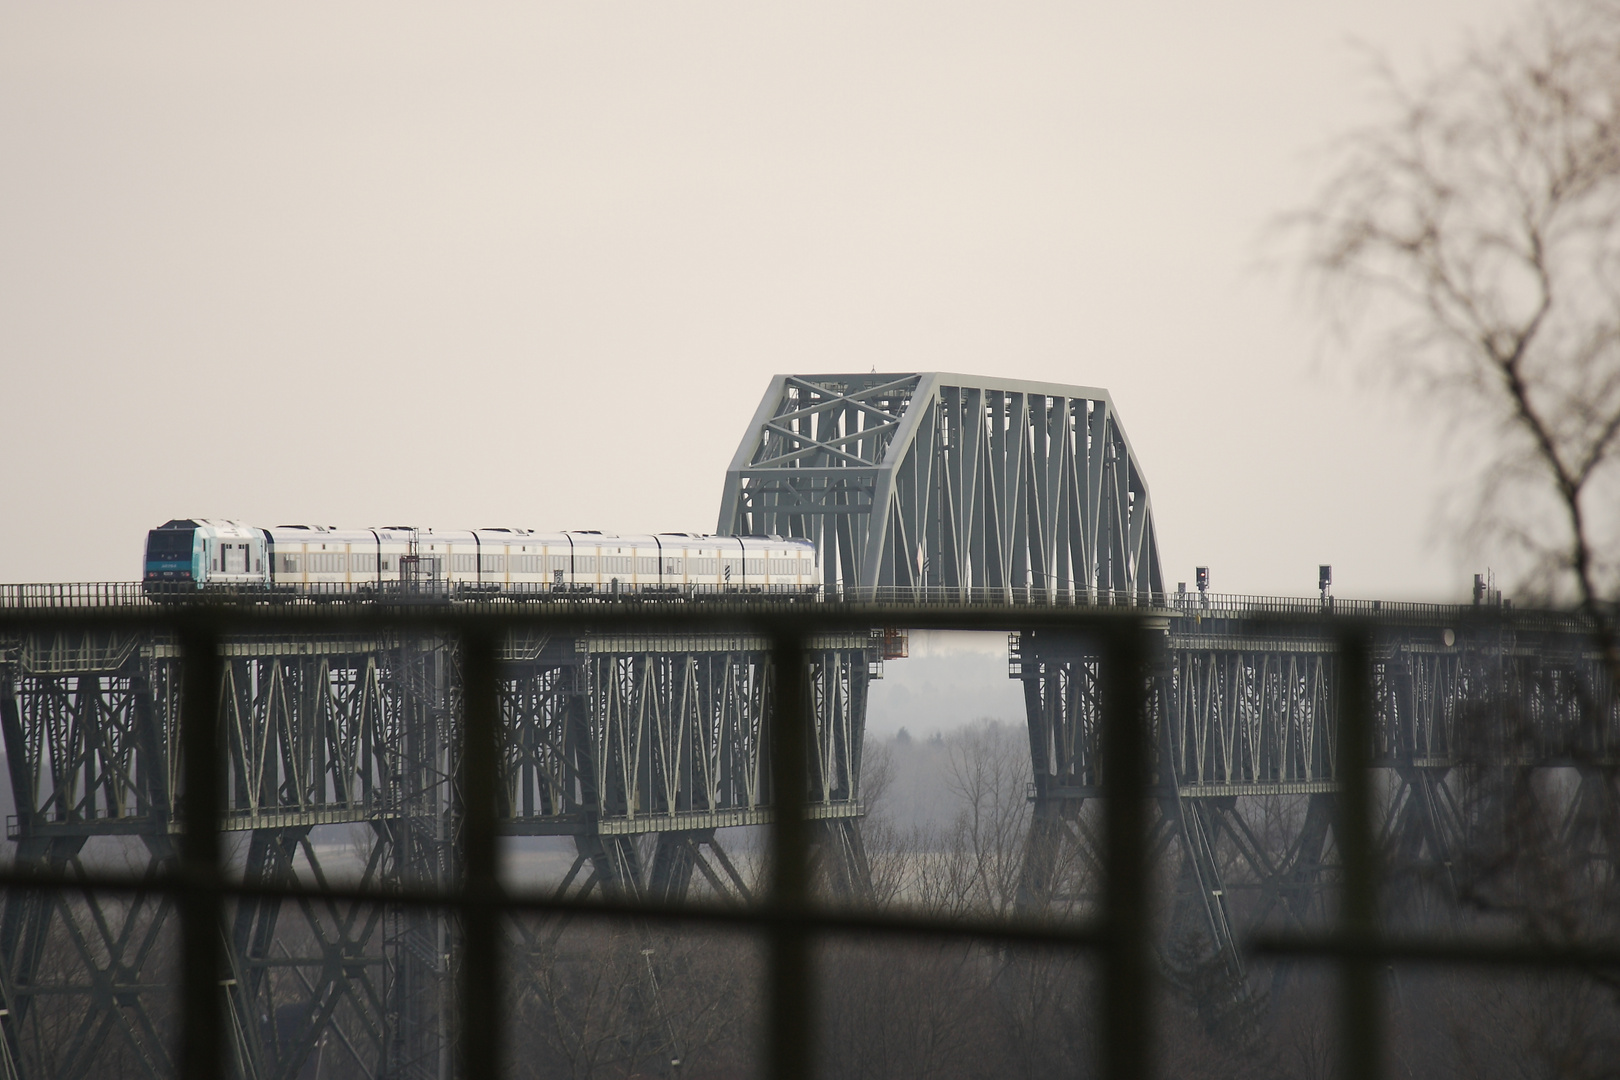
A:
[949,483]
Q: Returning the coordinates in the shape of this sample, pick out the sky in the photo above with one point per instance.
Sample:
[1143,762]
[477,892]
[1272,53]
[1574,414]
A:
[534,264]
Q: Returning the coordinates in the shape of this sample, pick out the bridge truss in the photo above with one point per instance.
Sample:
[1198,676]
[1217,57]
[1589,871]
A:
[642,748]
[1473,712]
[949,485]
[638,748]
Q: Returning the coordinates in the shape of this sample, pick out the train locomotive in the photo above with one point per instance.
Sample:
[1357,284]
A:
[187,556]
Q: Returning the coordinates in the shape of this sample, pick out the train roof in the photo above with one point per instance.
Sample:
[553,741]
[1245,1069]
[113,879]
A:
[302,533]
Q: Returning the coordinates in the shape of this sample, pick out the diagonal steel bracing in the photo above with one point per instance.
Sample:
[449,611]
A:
[644,749]
[1245,722]
[340,752]
[949,484]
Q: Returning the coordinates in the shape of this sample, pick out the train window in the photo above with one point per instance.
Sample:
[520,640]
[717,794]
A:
[329,562]
[585,563]
[672,566]
[363,564]
[292,564]
[647,565]
[463,564]
[493,564]
[169,544]
[615,564]
[557,562]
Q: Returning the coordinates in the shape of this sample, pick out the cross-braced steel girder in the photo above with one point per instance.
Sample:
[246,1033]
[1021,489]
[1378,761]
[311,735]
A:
[308,979]
[618,736]
[319,733]
[953,484]
[339,757]
[1245,728]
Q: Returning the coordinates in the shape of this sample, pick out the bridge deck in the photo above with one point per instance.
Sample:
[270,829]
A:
[1198,607]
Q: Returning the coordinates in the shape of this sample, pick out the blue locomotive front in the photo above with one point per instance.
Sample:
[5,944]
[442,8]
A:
[171,556]
[186,554]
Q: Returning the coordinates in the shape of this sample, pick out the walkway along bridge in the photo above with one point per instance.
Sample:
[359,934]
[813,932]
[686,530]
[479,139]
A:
[935,500]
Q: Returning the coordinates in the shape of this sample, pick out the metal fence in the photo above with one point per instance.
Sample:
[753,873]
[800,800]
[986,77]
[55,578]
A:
[788,917]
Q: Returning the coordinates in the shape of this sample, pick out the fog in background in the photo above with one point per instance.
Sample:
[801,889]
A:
[534,264]
[950,679]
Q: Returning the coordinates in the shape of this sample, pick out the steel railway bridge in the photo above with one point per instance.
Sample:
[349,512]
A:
[991,494]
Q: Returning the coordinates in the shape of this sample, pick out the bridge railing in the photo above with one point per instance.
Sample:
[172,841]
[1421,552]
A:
[73,594]
[788,918]
[133,594]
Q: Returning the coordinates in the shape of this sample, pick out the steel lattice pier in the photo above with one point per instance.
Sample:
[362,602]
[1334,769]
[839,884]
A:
[639,748]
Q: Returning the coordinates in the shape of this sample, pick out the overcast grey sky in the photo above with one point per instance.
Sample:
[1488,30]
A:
[471,265]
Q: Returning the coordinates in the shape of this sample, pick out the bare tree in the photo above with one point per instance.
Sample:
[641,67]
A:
[987,772]
[1476,231]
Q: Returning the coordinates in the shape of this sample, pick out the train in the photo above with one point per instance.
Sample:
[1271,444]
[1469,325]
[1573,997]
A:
[188,556]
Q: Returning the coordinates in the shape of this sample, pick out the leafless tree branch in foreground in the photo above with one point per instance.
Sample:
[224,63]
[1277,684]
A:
[1476,232]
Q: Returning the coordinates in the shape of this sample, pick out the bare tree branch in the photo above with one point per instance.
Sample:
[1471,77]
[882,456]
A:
[1476,232]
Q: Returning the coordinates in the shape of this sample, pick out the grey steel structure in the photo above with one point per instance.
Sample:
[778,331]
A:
[1467,705]
[949,486]
[944,487]
[639,746]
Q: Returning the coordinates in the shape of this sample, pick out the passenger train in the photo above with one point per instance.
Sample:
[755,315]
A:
[188,555]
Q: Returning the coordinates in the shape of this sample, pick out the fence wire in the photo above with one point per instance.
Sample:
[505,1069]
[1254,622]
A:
[788,917]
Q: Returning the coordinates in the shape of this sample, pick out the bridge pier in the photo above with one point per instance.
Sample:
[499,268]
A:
[639,748]
[1495,745]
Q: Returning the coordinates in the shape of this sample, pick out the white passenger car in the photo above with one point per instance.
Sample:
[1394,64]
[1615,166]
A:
[185,555]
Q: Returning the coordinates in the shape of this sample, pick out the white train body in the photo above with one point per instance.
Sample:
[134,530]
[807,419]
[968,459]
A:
[212,554]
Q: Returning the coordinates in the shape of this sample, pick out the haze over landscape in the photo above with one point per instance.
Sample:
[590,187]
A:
[534,267]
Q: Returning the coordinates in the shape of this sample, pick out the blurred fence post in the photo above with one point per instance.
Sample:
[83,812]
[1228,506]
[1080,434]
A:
[202,1046]
[1360,1005]
[1127,996]
[480,990]
[791,1016]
